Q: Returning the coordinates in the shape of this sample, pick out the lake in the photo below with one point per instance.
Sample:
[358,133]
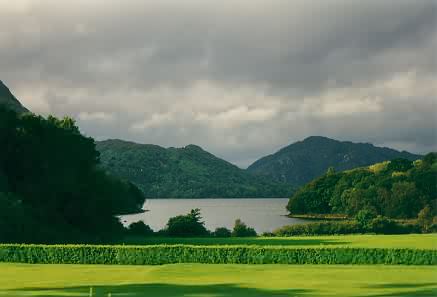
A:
[264,215]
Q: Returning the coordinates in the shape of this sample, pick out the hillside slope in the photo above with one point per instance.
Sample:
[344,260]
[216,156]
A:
[188,172]
[8,99]
[305,160]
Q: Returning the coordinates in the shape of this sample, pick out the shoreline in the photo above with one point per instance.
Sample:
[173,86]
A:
[320,217]
[204,198]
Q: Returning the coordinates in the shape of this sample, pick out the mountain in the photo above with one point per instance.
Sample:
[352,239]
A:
[305,160]
[188,172]
[8,99]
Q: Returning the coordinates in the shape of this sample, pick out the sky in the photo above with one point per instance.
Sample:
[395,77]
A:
[240,78]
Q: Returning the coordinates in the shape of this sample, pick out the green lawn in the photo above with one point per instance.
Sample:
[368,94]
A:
[420,241]
[197,280]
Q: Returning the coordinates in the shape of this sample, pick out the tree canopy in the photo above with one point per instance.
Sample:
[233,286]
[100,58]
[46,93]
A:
[398,189]
[50,185]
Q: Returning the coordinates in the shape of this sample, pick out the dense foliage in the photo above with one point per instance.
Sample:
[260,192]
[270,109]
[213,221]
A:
[301,162]
[165,254]
[186,225]
[242,230]
[140,229]
[222,232]
[397,189]
[378,225]
[51,189]
[188,172]
[191,225]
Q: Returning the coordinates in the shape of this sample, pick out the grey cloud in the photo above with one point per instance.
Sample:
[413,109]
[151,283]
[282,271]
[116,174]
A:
[240,78]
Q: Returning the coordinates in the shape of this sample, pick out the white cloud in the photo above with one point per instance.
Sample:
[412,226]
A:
[154,121]
[95,116]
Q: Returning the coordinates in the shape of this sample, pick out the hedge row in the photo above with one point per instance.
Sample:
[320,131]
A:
[166,254]
[378,225]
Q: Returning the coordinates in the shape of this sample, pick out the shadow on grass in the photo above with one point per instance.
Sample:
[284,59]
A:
[161,290]
[421,290]
[232,241]
[401,285]
[217,290]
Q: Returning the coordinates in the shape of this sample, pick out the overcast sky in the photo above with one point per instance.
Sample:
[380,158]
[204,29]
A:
[241,78]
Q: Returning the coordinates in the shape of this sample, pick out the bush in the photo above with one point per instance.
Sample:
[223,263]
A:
[406,228]
[364,218]
[242,230]
[139,228]
[383,225]
[222,232]
[379,225]
[425,219]
[187,225]
[164,254]
[320,228]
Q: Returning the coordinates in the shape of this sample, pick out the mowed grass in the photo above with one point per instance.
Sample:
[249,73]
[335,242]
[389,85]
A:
[415,241]
[198,280]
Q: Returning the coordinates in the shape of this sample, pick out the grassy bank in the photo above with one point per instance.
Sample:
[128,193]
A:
[413,241]
[216,280]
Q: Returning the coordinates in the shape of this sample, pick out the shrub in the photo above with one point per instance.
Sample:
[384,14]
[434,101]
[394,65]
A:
[379,225]
[406,228]
[139,228]
[320,228]
[383,225]
[164,254]
[242,230]
[364,218]
[425,219]
[222,232]
[187,225]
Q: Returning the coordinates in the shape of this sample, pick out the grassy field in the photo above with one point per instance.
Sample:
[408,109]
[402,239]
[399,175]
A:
[232,280]
[419,241]
[198,280]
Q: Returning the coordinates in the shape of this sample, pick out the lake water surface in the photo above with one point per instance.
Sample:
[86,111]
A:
[262,214]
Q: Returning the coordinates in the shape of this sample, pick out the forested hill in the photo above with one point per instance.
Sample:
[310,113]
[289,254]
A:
[188,172]
[301,162]
[8,100]
[398,189]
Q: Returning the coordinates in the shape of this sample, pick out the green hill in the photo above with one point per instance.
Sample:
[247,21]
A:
[301,162]
[398,189]
[188,172]
[8,100]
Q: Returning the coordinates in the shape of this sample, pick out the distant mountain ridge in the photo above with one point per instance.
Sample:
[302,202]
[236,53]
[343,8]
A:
[188,172]
[192,172]
[8,99]
[301,162]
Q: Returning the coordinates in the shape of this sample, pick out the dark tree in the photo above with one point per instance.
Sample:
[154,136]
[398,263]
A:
[55,187]
[187,225]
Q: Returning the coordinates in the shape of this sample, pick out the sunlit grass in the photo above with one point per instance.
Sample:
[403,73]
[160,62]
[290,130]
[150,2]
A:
[217,280]
[419,241]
